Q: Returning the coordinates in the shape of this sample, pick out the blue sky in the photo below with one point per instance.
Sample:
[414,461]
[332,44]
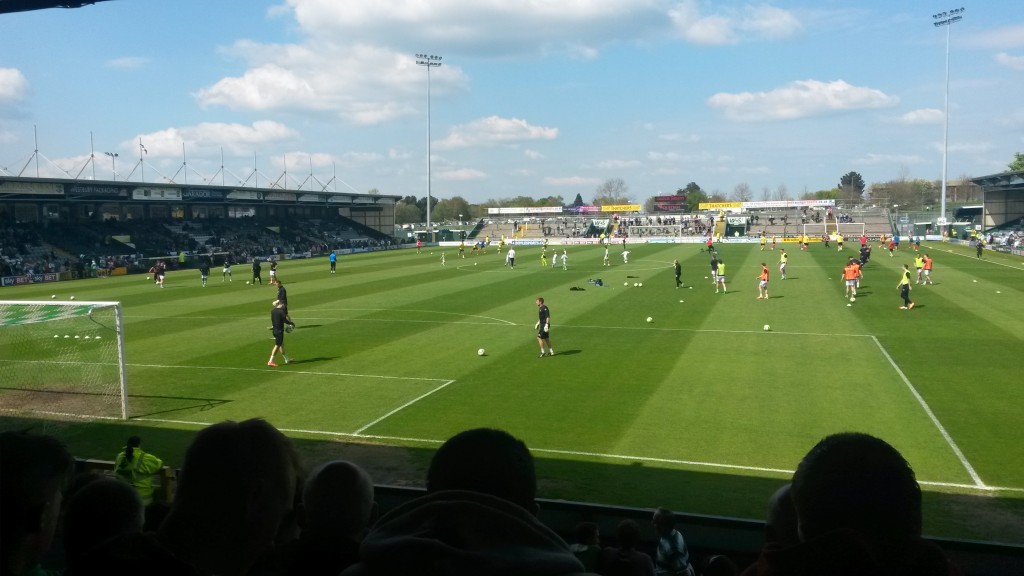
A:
[535,98]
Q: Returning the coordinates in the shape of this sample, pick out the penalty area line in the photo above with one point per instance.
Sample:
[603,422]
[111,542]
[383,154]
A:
[927,409]
[403,407]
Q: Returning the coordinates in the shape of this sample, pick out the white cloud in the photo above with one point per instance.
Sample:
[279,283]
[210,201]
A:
[13,85]
[362,84]
[618,164]
[460,174]
[494,130]
[871,159]
[760,22]
[209,137]
[1002,38]
[1014,62]
[799,99]
[966,147]
[354,60]
[128,62]
[484,27]
[532,154]
[571,181]
[922,116]
[677,137]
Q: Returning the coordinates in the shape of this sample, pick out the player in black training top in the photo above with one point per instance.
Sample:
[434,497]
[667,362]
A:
[256,271]
[204,272]
[544,328]
[278,318]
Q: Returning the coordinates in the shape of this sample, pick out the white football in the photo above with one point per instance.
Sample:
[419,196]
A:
[625,283]
[246,282]
[767,327]
[72,297]
[641,284]
[636,284]
[53,296]
[481,352]
[649,319]
[852,299]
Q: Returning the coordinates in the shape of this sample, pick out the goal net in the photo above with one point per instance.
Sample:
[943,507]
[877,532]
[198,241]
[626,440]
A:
[847,229]
[63,358]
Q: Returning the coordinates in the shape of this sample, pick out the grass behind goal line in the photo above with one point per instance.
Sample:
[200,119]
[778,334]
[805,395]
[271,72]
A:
[699,409]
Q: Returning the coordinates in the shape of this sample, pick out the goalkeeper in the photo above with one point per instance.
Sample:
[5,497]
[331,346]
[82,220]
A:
[278,321]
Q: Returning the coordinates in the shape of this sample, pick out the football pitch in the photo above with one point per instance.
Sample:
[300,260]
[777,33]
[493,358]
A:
[700,409]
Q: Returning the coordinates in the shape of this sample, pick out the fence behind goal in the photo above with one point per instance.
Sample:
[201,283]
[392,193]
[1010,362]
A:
[63,358]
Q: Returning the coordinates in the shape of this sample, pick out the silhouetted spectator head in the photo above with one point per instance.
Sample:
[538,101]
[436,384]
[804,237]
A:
[34,471]
[488,461]
[101,509]
[237,485]
[628,534]
[859,482]
[130,446]
[719,565]
[338,500]
[588,533]
[664,521]
[781,524]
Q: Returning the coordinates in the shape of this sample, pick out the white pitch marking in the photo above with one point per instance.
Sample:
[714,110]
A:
[935,420]
[580,453]
[980,259]
[288,372]
[404,406]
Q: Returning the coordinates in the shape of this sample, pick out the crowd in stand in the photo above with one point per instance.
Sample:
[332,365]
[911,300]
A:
[244,505]
[686,225]
[94,249]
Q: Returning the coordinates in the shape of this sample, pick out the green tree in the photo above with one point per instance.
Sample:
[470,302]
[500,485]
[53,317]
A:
[578,201]
[1017,164]
[694,196]
[852,187]
[406,213]
[422,204]
[612,191]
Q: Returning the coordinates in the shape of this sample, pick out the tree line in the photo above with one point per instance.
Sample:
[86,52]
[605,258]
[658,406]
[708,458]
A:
[851,190]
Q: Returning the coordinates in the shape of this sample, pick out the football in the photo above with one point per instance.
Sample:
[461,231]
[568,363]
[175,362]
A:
[649,319]
[625,283]
[72,297]
[53,296]
[853,299]
[767,327]
[641,284]
[289,327]
[481,352]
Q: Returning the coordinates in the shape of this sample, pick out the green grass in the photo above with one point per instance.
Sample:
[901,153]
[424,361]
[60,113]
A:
[700,409]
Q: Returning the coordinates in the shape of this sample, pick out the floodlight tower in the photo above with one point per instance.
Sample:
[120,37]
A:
[429,61]
[946,19]
[113,164]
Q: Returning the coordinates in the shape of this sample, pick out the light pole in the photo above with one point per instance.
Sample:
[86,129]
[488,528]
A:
[946,19]
[113,164]
[429,61]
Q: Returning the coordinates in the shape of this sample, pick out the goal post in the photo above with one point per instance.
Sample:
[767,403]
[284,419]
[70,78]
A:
[63,358]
